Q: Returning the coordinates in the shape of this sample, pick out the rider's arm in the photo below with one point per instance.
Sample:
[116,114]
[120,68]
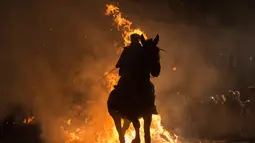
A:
[120,61]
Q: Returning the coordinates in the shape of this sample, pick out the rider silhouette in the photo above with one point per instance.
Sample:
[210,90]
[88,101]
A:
[134,70]
[132,60]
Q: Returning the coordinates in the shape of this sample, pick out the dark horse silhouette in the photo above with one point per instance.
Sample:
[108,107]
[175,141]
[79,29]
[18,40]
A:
[137,100]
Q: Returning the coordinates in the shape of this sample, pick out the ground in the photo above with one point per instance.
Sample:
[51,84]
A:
[31,134]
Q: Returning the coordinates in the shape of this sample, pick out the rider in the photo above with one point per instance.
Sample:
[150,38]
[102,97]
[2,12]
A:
[133,69]
[132,59]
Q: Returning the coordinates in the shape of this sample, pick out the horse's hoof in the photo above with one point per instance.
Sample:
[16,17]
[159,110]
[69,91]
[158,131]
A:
[136,141]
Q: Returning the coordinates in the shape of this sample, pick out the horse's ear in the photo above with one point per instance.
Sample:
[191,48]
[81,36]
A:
[142,39]
[156,39]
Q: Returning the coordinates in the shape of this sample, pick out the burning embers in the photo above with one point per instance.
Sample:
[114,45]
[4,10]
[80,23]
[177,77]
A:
[28,120]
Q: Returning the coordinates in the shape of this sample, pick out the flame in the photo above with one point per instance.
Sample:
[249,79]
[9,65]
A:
[28,120]
[123,24]
[68,122]
[112,79]
[174,68]
[109,134]
[158,133]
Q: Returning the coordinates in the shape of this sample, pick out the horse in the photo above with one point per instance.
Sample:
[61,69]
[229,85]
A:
[135,104]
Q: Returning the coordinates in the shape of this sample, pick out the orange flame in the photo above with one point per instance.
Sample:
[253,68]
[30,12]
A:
[158,133]
[123,24]
[112,79]
[28,120]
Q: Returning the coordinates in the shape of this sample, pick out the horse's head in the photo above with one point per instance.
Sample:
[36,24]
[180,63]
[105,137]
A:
[150,45]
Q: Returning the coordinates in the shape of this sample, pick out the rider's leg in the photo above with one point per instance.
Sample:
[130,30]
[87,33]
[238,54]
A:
[126,125]
[147,125]
[136,125]
[117,122]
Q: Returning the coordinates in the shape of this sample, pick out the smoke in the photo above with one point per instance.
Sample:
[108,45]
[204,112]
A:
[200,44]
[193,78]
[53,52]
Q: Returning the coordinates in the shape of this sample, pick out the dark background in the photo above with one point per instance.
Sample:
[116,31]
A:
[51,50]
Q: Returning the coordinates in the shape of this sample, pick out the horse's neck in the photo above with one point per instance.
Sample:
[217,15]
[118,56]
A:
[155,68]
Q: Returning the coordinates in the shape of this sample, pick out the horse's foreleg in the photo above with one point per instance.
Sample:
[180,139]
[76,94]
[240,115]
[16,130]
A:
[126,125]
[136,125]
[117,122]
[147,124]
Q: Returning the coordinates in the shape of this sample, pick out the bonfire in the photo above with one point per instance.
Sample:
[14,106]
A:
[158,133]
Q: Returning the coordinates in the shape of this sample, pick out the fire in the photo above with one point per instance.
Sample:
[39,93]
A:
[159,134]
[109,133]
[123,24]
[28,120]
[112,79]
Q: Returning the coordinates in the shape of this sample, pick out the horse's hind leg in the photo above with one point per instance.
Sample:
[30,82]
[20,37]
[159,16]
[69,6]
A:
[126,125]
[117,122]
[136,125]
[147,124]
